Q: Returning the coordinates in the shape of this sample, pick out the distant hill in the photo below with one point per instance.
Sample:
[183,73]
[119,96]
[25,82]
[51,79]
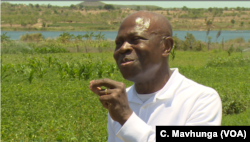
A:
[92,3]
[98,3]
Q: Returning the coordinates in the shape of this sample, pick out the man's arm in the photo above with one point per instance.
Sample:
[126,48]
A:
[206,111]
[111,131]
[136,130]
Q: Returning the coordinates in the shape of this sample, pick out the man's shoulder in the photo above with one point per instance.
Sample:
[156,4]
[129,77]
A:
[197,86]
[191,89]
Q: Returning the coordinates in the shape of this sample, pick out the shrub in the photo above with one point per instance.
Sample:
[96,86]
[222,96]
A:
[65,37]
[32,37]
[14,47]
[23,23]
[108,7]
[4,37]
[45,50]
[239,49]
[234,101]
[232,21]
[228,62]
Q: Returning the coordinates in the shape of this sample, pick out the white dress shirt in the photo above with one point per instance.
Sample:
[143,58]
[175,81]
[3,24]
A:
[180,102]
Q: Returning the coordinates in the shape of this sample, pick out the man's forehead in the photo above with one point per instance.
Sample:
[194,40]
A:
[142,24]
[135,26]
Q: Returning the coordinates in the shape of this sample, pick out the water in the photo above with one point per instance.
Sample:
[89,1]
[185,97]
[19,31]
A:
[111,35]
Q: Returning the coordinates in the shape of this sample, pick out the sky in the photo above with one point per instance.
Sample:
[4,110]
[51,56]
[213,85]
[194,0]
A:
[163,4]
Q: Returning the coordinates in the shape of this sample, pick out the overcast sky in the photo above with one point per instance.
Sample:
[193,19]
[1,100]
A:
[164,4]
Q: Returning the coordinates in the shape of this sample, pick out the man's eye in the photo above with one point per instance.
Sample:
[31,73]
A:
[117,42]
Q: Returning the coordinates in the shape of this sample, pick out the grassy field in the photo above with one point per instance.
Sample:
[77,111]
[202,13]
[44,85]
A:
[45,97]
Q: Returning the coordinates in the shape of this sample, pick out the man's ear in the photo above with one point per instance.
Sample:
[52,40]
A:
[168,45]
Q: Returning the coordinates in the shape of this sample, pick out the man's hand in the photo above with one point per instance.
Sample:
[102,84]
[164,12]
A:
[114,98]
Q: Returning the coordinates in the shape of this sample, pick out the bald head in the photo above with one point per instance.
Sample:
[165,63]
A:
[149,21]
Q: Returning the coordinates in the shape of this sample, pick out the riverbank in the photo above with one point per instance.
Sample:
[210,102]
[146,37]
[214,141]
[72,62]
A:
[68,29]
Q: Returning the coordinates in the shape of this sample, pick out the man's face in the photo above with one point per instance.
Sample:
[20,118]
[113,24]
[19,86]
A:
[138,53]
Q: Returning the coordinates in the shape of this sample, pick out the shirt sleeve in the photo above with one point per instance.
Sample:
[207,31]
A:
[207,110]
[111,131]
[139,132]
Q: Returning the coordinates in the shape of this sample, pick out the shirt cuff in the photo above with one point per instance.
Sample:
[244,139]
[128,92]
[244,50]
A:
[134,130]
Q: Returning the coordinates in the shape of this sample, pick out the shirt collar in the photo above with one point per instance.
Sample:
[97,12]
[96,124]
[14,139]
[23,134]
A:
[165,93]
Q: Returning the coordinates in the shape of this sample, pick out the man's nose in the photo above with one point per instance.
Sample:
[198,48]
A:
[126,47]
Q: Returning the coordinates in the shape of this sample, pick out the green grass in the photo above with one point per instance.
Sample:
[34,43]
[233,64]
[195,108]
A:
[58,106]
[237,119]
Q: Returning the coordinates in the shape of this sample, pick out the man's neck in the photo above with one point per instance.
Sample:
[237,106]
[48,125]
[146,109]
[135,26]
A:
[154,85]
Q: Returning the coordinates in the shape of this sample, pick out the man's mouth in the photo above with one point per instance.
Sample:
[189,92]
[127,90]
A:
[126,61]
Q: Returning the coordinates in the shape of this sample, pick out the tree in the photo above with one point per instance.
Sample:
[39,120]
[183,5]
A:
[232,21]
[208,29]
[31,5]
[109,7]
[209,41]
[23,23]
[184,8]
[218,34]
[99,37]
[225,8]
[138,8]
[55,11]
[49,6]
[238,9]
[4,37]
[37,5]
[81,6]
[210,9]
[100,7]
[11,22]
[209,23]
[72,6]
[190,39]
[222,43]
[241,24]
[44,25]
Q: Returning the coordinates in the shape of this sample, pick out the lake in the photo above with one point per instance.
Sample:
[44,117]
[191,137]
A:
[199,35]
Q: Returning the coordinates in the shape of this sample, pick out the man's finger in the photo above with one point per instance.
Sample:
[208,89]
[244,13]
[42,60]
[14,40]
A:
[105,82]
[106,98]
[105,91]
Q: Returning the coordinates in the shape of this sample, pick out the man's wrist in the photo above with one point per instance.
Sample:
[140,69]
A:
[125,118]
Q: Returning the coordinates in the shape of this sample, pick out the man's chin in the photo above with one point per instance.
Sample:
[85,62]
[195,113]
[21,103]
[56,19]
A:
[133,78]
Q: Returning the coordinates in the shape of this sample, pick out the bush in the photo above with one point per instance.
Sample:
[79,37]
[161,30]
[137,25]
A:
[109,7]
[23,23]
[199,46]
[65,37]
[32,37]
[232,21]
[44,50]
[228,62]
[4,37]
[237,40]
[177,42]
[14,47]
[234,101]
[209,22]
[239,49]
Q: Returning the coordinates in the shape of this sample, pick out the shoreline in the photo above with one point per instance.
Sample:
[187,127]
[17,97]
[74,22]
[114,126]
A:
[117,30]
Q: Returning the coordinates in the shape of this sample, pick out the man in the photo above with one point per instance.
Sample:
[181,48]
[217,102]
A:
[160,95]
